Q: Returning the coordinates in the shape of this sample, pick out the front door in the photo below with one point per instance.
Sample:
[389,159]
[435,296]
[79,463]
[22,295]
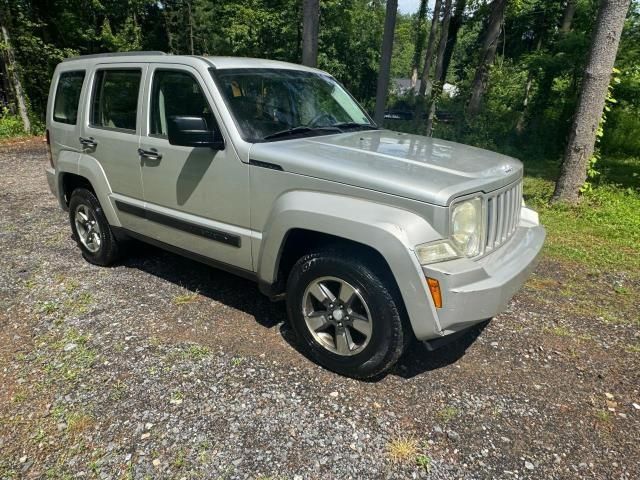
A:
[196,199]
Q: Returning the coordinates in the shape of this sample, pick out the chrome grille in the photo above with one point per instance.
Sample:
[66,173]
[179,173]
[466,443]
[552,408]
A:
[503,215]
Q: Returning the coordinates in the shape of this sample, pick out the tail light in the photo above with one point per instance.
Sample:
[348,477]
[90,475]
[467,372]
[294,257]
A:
[49,148]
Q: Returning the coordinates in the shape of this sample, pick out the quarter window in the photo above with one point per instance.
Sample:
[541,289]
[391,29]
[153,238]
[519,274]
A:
[115,99]
[176,93]
[65,108]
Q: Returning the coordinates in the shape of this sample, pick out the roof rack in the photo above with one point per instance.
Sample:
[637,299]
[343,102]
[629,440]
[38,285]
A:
[115,54]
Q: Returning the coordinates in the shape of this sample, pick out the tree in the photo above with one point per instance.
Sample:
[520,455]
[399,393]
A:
[310,22]
[10,66]
[567,17]
[438,77]
[454,28]
[597,76]
[385,59]
[487,55]
[428,57]
[426,68]
[419,34]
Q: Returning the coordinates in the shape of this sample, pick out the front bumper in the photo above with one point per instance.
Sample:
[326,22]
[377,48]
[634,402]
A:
[476,290]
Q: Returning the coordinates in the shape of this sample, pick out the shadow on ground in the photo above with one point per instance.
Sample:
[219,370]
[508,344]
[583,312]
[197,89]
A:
[243,295]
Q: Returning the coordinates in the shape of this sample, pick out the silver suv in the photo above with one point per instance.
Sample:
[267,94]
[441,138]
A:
[273,171]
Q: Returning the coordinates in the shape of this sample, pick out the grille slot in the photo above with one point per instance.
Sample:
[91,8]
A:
[503,216]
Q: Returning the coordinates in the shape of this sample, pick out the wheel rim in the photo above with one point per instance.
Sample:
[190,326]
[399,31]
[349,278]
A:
[337,316]
[87,228]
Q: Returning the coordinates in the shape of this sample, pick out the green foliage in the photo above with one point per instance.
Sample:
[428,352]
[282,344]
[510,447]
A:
[603,231]
[10,125]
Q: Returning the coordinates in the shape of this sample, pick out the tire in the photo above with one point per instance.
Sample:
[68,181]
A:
[354,355]
[95,238]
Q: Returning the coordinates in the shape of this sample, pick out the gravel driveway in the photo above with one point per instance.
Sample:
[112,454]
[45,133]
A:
[164,368]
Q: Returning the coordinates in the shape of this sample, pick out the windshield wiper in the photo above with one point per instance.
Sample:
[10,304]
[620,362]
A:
[349,125]
[302,131]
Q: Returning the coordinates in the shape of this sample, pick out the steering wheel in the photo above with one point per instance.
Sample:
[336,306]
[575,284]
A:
[317,120]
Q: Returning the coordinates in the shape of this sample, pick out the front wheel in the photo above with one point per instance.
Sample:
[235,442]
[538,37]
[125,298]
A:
[345,314]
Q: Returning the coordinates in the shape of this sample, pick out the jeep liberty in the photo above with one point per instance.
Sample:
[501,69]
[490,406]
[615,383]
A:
[274,172]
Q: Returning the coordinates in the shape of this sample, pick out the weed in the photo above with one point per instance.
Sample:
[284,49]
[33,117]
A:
[402,449]
[423,461]
[196,352]
[78,422]
[603,416]
[447,414]
[48,307]
[237,361]
[633,348]
[558,331]
[185,298]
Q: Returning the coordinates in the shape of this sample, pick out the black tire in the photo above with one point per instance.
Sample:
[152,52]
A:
[108,251]
[389,333]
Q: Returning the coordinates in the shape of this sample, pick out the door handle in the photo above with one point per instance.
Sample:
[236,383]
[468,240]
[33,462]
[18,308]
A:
[88,142]
[150,154]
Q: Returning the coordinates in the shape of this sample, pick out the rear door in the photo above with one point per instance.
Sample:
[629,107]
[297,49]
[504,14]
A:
[111,133]
[195,198]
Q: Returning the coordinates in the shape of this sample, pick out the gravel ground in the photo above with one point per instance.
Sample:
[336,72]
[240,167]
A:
[163,368]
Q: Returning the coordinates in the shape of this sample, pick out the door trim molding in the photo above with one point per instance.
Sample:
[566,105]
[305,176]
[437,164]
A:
[178,224]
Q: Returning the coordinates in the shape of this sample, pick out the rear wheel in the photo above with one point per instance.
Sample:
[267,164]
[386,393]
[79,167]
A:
[345,315]
[91,229]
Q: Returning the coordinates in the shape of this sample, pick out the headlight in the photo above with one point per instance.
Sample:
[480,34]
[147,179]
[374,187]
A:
[436,252]
[466,226]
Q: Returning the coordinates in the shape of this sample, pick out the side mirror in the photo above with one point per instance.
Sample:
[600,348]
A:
[192,131]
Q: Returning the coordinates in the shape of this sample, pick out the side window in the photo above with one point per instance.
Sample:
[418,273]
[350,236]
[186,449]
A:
[176,93]
[115,99]
[65,107]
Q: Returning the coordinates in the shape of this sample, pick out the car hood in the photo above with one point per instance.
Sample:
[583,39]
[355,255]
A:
[412,166]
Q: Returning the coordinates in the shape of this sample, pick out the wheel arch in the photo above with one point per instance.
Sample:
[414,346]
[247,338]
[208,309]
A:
[301,220]
[88,173]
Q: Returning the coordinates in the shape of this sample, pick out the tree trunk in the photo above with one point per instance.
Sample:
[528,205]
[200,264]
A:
[487,55]
[438,78]
[597,76]
[190,29]
[520,124]
[424,78]
[454,28]
[567,17]
[428,57]
[310,22]
[417,51]
[385,59]
[12,70]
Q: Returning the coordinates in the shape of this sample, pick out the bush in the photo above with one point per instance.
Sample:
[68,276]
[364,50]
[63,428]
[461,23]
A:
[10,125]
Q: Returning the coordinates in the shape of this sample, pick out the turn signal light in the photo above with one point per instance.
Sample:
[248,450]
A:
[434,288]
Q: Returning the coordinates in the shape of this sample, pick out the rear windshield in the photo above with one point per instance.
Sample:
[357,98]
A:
[67,99]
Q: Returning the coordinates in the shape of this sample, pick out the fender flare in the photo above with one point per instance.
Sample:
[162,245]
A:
[393,232]
[87,167]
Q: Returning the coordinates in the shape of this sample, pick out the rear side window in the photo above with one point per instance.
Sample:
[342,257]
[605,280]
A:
[115,99]
[65,107]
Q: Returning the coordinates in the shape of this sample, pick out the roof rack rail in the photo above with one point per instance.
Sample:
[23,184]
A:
[115,54]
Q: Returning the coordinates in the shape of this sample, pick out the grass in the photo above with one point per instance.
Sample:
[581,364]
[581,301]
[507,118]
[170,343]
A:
[558,331]
[196,352]
[185,298]
[402,449]
[603,231]
[447,414]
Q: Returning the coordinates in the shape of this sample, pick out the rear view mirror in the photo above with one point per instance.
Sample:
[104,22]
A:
[193,131]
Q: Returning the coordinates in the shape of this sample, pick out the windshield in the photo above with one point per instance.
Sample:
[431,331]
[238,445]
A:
[276,104]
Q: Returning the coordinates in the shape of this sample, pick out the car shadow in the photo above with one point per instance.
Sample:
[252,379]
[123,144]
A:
[244,295]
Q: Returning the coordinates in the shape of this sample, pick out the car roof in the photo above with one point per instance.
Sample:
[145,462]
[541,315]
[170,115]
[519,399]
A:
[218,62]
